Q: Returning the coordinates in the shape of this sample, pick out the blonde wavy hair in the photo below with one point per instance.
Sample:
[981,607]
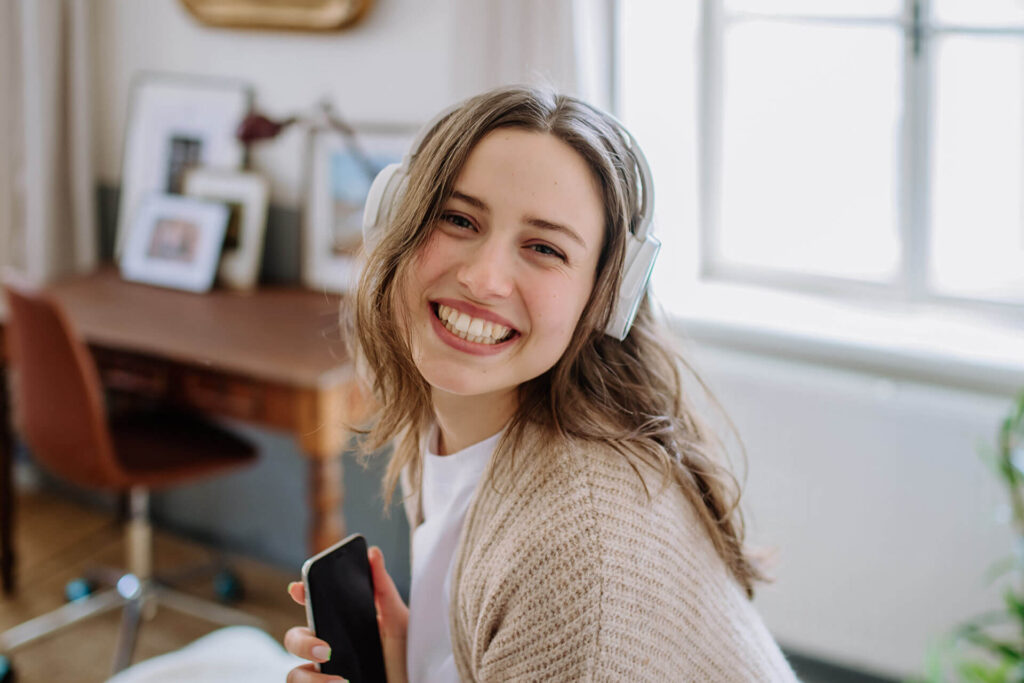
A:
[629,393]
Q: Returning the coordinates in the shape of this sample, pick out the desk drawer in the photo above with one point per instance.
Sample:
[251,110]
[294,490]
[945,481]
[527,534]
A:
[136,375]
[221,394]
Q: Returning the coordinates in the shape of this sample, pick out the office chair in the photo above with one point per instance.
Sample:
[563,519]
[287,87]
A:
[60,413]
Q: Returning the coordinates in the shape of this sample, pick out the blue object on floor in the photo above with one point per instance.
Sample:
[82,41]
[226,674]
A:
[76,589]
[6,670]
[228,586]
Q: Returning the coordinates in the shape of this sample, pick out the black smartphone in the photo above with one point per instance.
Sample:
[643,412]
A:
[340,610]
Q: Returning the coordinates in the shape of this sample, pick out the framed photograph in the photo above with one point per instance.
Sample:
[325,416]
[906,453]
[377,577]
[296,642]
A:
[309,15]
[175,124]
[339,179]
[246,195]
[175,242]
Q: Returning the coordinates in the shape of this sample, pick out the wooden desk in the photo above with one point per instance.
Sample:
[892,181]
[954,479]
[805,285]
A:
[273,357]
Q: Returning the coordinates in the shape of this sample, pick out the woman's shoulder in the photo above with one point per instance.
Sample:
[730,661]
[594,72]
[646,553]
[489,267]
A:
[587,540]
[602,513]
[597,500]
[605,479]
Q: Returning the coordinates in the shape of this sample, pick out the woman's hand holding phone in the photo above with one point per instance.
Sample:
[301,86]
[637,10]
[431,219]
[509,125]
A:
[392,620]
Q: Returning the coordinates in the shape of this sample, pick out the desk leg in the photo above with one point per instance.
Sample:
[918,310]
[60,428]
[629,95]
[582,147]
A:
[323,436]
[6,492]
[326,494]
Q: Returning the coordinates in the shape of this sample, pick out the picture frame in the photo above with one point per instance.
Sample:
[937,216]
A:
[176,123]
[338,179]
[309,15]
[175,242]
[246,195]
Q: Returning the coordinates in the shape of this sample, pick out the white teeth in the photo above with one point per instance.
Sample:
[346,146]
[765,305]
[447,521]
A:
[476,330]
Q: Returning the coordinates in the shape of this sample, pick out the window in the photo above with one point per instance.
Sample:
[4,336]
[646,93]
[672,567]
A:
[855,147]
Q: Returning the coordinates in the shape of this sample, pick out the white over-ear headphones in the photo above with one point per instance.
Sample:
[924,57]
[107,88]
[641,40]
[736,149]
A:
[641,246]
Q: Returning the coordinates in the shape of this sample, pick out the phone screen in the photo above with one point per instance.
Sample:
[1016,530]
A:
[341,611]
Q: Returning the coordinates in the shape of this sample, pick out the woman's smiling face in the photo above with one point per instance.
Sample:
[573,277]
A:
[495,294]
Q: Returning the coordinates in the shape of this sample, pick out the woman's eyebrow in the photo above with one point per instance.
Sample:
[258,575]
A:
[558,227]
[532,220]
[472,201]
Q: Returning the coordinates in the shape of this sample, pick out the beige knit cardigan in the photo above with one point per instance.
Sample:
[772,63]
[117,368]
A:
[567,571]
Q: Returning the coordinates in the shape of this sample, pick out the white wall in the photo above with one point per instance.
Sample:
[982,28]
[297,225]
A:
[871,493]
[394,66]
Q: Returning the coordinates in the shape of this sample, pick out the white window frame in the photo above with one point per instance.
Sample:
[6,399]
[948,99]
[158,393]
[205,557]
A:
[898,330]
[911,283]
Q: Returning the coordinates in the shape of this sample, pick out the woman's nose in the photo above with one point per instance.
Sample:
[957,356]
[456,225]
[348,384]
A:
[487,271]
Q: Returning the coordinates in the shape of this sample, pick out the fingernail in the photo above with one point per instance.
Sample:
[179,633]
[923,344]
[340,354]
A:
[289,589]
[322,652]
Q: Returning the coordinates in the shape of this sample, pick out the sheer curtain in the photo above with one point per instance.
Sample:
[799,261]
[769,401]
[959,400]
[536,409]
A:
[12,248]
[47,186]
[565,44]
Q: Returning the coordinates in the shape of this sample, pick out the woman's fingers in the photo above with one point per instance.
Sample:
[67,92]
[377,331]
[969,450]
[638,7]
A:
[297,590]
[307,673]
[394,615]
[301,642]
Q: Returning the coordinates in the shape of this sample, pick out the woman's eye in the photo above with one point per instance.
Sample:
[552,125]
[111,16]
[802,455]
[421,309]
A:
[458,221]
[547,250]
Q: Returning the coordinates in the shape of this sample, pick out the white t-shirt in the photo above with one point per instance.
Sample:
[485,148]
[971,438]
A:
[449,482]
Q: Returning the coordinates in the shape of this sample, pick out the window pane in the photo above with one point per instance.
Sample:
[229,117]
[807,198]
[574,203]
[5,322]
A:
[832,8]
[810,149]
[977,245]
[979,12]
[651,36]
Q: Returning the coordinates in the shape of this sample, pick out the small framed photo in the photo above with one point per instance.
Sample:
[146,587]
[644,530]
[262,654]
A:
[175,124]
[339,180]
[175,242]
[246,196]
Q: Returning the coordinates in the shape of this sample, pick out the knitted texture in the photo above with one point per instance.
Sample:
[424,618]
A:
[567,570]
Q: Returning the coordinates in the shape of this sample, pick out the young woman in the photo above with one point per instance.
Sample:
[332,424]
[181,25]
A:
[570,518]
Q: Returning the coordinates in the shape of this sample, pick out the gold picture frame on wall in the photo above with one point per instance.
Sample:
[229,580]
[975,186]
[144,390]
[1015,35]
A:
[296,15]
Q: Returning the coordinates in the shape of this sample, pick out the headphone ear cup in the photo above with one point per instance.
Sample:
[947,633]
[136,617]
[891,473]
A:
[385,192]
[640,257]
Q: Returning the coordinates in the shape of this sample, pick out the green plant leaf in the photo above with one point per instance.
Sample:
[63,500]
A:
[1001,568]
[977,651]
[997,647]
[980,622]
[989,457]
[1016,458]
[979,672]
[1014,604]
[1017,414]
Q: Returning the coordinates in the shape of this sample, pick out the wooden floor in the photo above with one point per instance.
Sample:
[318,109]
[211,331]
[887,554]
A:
[57,540]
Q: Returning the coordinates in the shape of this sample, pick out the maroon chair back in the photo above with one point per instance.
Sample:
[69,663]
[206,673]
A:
[58,401]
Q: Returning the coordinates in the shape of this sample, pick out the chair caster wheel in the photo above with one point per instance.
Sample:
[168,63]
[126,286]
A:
[76,589]
[6,670]
[228,586]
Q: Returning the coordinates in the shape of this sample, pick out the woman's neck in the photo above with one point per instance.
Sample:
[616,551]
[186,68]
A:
[465,420]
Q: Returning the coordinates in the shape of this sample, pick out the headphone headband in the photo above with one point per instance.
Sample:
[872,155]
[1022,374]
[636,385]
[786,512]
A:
[641,246]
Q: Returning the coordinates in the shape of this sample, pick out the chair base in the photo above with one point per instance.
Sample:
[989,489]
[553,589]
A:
[138,599]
